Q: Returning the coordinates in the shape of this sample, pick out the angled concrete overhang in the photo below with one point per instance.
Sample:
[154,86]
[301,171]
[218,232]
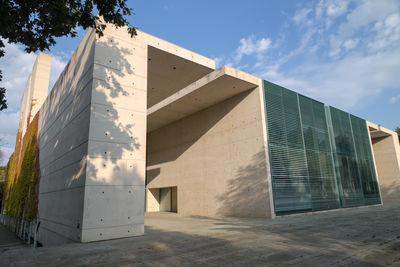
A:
[171,68]
[377,131]
[213,88]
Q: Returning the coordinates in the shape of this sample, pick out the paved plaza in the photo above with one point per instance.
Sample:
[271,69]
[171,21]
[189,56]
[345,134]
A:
[367,236]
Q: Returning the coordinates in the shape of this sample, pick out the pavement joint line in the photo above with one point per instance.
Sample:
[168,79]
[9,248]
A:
[190,241]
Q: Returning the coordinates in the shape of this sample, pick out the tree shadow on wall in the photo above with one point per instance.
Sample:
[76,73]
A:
[247,194]
[165,146]
[119,125]
[91,134]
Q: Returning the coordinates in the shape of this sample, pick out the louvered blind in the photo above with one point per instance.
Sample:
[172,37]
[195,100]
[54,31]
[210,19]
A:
[324,193]
[289,173]
[320,157]
[365,161]
[348,173]
[356,171]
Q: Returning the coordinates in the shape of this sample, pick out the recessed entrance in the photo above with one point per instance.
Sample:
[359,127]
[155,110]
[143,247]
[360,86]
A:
[162,199]
[386,149]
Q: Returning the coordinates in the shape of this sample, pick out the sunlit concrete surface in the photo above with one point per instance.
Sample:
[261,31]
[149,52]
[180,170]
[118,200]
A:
[216,159]
[92,133]
[386,150]
[141,124]
[36,90]
[366,236]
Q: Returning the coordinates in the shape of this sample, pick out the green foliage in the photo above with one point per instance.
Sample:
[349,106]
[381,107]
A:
[397,130]
[10,175]
[23,175]
[3,101]
[36,24]
[2,173]
[2,184]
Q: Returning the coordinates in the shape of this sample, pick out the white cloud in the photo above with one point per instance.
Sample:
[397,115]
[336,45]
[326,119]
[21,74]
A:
[9,123]
[350,44]
[336,8]
[394,99]
[301,16]
[355,72]
[387,32]
[250,46]
[17,66]
[367,15]
[8,132]
[345,83]
[218,61]
[5,155]
[326,11]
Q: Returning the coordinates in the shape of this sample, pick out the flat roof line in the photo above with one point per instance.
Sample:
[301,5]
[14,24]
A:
[177,50]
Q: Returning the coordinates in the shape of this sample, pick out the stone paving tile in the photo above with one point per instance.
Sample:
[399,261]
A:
[357,237]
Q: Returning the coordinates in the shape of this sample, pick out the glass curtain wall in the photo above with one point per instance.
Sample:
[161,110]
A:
[346,159]
[289,170]
[355,166]
[320,157]
[321,171]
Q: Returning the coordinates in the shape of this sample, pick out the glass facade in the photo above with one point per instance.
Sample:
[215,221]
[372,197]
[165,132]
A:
[353,158]
[321,173]
[320,157]
[287,155]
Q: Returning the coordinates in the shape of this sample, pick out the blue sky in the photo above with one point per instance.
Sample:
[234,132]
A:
[343,53]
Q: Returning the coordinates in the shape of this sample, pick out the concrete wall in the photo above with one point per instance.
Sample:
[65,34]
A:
[114,188]
[39,82]
[23,109]
[36,90]
[216,158]
[386,151]
[152,200]
[92,136]
[63,143]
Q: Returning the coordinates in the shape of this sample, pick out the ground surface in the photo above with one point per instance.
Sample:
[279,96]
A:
[368,236]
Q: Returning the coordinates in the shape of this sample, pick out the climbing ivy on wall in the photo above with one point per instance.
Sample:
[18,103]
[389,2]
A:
[23,175]
[2,184]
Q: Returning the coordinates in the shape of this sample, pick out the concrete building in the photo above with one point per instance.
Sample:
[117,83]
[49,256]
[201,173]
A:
[140,124]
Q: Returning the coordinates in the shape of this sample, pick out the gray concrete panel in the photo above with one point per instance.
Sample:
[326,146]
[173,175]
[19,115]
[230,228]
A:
[74,109]
[69,171]
[110,124]
[114,187]
[101,171]
[53,112]
[98,234]
[73,135]
[117,79]
[112,150]
[109,206]
[216,158]
[131,97]
[74,78]
[53,234]
[63,207]
[63,141]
